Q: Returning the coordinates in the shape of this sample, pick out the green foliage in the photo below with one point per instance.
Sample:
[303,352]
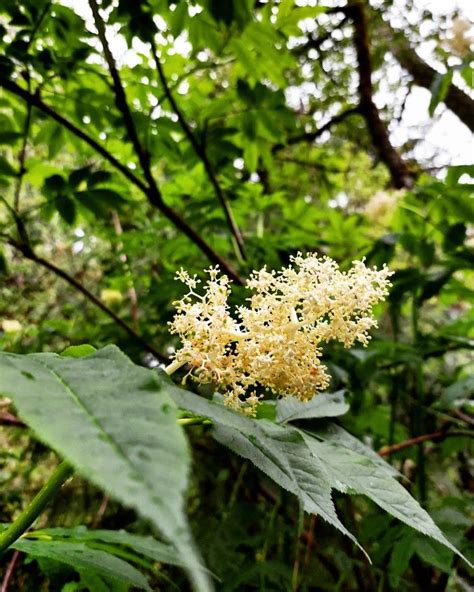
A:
[116,425]
[253,118]
[78,390]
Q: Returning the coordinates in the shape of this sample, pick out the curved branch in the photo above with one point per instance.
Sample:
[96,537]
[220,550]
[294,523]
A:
[26,250]
[424,75]
[311,136]
[36,101]
[168,212]
[201,153]
[438,436]
[122,105]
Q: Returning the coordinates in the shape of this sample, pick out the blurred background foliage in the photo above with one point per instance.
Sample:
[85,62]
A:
[239,132]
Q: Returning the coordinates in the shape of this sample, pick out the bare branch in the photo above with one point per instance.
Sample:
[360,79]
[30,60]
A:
[7,418]
[424,75]
[9,571]
[24,247]
[154,194]
[22,155]
[438,436]
[168,212]
[312,136]
[36,101]
[200,150]
[122,105]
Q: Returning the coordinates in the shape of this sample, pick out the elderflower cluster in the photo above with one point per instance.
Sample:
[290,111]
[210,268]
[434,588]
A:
[382,205]
[461,38]
[274,342]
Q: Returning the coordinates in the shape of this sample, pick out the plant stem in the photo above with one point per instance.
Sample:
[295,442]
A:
[175,365]
[419,412]
[37,505]
[193,421]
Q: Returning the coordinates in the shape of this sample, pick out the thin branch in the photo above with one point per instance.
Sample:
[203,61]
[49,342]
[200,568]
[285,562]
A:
[464,416]
[200,151]
[168,212]
[401,175]
[38,24]
[316,42]
[7,418]
[314,135]
[123,258]
[424,75]
[438,436]
[9,572]
[36,101]
[25,248]
[101,511]
[122,104]
[97,302]
[154,194]
[22,155]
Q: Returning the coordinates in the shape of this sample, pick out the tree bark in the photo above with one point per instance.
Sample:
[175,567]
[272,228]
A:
[399,171]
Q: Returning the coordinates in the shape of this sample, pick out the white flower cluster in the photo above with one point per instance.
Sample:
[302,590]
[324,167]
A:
[382,205]
[274,343]
[461,39]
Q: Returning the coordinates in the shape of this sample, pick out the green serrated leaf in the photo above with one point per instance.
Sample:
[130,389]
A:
[280,452]
[143,545]
[84,559]
[116,424]
[322,405]
[349,469]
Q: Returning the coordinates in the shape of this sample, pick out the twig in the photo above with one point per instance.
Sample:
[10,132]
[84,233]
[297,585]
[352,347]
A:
[122,104]
[312,136]
[9,572]
[310,542]
[153,192]
[9,419]
[424,75]
[101,511]
[438,436]
[22,156]
[200,151]
[27,251]
[38,23]
[168,212]
[464,416]
[123,258]
[95,300]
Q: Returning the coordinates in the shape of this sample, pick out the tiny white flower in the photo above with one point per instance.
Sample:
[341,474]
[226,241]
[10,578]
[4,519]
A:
[274,343]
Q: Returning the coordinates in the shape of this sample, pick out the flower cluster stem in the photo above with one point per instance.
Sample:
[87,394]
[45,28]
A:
[175,365]
[35,508]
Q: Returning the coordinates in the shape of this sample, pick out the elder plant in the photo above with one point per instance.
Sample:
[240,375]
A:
[122,426]
[275,342]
